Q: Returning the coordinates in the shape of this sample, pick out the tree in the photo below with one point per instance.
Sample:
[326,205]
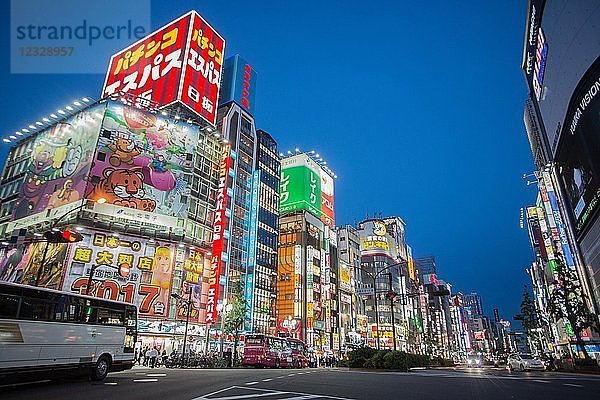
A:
[234,319]
[529,318]
[568,301]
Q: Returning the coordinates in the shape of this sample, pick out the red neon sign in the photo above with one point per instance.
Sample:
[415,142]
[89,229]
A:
[220,225]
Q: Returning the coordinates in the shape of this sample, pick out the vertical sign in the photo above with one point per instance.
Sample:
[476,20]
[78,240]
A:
[220,225]
[558,218]
[253,231]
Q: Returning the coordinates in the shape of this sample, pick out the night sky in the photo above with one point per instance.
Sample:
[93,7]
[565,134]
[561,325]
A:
[416,107]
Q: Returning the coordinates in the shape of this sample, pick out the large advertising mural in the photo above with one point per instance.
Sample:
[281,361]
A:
[59,165]
[150,265]
[327,210]
[192,262]
[21,265]
[142,160]
[180,62]
[578,154]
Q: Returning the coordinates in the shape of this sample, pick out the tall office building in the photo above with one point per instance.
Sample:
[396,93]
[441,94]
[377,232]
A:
[473,302]
[308,264]
[350,305]
[248,244]
[139,185]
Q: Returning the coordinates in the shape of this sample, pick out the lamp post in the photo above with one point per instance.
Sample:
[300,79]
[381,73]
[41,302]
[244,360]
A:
[374,277]
[188,304]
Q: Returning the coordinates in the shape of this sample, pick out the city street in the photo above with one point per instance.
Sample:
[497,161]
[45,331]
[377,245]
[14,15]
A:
[170,384]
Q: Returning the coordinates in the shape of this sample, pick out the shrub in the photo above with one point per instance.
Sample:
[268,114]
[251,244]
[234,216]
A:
[358,357]
[396,360]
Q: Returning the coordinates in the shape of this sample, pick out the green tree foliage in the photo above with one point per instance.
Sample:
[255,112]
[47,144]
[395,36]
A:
[529,318]
[568,301]
[234,319]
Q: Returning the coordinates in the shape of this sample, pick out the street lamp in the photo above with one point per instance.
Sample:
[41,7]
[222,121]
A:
[374,277]
[188,304]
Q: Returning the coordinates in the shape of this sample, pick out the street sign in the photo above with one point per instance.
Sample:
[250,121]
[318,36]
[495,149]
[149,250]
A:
[367,291]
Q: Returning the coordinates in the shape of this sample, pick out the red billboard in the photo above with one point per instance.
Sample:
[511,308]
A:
[220,224]
[180,62]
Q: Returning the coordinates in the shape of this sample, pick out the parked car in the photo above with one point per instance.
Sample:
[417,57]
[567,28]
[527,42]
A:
[524,362]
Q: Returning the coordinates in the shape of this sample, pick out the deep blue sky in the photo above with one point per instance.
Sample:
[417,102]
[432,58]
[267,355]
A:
[417,107]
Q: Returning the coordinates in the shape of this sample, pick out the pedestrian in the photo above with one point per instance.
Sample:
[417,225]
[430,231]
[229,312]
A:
[164,357]
[153,355]
[146,357]
[136,355]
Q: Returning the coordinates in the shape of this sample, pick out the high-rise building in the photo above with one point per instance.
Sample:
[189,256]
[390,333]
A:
[250,216]
[426,265]
[268,169]
[561,118]
[350,304]
[308,265]
[472,301]
[139,185]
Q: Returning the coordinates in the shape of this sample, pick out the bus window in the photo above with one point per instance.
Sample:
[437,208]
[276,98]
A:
[9,305]
[107,316]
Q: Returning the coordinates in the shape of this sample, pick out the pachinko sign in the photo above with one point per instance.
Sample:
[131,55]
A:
[220,225]
[141,161]
[180,62]
[150,266]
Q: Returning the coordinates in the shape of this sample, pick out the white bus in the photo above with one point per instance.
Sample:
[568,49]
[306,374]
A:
[47,331]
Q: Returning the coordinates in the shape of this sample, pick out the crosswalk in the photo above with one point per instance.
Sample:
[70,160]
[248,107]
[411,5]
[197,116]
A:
[243,393]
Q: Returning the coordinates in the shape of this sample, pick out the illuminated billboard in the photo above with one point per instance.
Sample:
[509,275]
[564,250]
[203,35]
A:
[219,240]
[327,210]
[300,185]
[541,53]
[141,162]
[304,185]
[180,62]
[383,237]
[578,153]
[239,83]
[59,164]
[150,263]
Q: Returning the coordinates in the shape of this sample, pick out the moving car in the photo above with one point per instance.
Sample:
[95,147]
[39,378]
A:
[524,362]
[474,361]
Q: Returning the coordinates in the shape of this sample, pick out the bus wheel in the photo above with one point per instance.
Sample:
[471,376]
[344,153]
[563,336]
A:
[101,368]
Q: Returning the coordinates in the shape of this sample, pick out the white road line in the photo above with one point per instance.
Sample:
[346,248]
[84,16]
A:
[145,380]
[291,374]
[155,375]
[251,383]
[572,384]
[541,381]
[279,377]
[267,380]
[110,383]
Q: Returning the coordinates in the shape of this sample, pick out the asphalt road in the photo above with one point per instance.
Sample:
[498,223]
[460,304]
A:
[340,384]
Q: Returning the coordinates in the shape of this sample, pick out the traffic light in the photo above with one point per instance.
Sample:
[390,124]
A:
[64,236]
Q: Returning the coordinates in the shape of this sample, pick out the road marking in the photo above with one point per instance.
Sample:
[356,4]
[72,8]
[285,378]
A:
[241,392]
[279,377]
[267,380]
[145,380]
[572,384]
[110,383]
[251,383]
[155,375]
[291,374]
[541,381]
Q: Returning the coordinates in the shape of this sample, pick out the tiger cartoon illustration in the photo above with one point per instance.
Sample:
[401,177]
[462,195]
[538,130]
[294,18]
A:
[124,188]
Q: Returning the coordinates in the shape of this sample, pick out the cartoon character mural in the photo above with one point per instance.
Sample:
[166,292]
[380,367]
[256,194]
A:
[60,160]
[142,160]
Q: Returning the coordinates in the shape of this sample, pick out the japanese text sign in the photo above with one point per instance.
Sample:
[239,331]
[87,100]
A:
[180,62]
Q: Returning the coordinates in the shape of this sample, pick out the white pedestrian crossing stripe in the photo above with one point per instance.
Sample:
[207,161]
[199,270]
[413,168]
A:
[241,393]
